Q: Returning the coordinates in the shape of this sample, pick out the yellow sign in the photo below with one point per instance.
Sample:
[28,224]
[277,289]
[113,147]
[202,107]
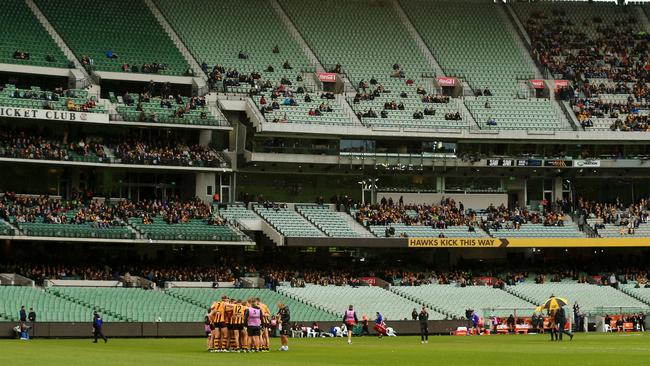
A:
[527,242]
[454,243]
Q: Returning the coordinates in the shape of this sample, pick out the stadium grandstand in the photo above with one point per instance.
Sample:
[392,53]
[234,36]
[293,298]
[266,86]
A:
[466,156]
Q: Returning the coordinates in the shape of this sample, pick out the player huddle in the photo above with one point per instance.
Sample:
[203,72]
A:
[238,326]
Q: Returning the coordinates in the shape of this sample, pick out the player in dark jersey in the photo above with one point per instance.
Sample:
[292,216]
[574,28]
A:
[285,321]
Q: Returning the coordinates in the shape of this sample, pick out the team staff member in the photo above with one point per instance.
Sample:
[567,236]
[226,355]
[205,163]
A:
[560,321]
[97,327]
[32,320]
[350,319]
[285,320]
[266,324]
[423,317]
[253,318]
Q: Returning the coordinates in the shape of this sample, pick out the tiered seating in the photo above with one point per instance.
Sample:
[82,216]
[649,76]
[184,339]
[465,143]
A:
[418,231]
[288,222]
[216,32]
[204,297]
[196,230]
[576,38]
[300,113]
[514,114]
[366,300]
[153,112]
[49,308]
[397,118]
[541,231]
[589,297]
[10,96]
[486,55]
[20,30]
[613,231]
[125,27]
[330,222]
[132,304]
[483,53]
[233,212]
[453,300]
[374,40]
[39,228]
[642,293]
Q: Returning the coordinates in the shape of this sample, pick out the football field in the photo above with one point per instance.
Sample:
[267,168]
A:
[596,349]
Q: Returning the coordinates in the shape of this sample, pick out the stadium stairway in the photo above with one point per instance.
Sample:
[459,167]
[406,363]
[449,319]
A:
[418,40]
[60,42]
[366,300]
[132,304]
[501,9]
[203,88]
[313,60]
[591,298]
[453,300]
[300,311]
[642,294]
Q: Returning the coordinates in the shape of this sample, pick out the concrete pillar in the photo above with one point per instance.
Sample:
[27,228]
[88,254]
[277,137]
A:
[74,179]
[206,185]
[557,188]
[205,137]
[440,184]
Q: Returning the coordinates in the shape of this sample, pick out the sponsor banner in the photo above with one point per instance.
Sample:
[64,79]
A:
[586,163]
[513,162]
[327,77]
[486,280]
[558,163]
[446,81]
[537,83]
[44,114]
[528,242]
[559,84]
[454,243]
[372,281]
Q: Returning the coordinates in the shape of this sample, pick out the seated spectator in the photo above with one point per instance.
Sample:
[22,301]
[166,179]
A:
[286,65]
[276,49]
[242,55]
[110,54]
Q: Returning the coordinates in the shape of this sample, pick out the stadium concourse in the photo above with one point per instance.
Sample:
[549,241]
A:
[167,162]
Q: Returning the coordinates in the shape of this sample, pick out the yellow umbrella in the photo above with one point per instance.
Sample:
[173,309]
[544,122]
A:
[553,303]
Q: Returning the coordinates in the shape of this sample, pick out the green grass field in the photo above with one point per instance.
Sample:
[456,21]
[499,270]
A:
[596,349]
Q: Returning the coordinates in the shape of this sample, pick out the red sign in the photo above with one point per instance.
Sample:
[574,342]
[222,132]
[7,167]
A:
[371,281]
[486,280]
[537,83]
[326,77]
[561,84]
[445,81]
